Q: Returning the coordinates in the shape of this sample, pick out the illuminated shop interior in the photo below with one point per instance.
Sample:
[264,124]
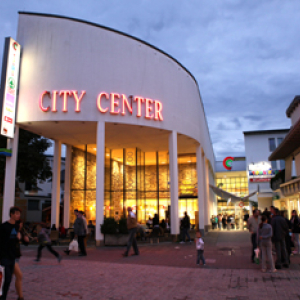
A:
[132,178]
[235,183]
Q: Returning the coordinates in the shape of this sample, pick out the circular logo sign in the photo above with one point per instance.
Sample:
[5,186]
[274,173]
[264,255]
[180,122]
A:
[241,204]
[15,46]
[227,163]
[11,83]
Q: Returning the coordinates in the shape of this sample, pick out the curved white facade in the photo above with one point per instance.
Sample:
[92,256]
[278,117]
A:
[67,64]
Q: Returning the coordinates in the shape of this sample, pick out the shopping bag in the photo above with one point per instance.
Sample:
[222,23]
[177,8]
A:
[73,246]
[256,259]
[1,279]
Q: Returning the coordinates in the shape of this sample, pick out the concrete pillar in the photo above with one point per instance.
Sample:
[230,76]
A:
[55,195]
[10,176]
[67,186]
[207,204]
[201,192]
[173,165]
[100,177]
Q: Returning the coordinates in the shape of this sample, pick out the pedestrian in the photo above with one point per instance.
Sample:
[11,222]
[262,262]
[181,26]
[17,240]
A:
[213,222]
[287,236]
[24,239]
[200,248]
[224,221]
[253,222]
[45,241]
[132,228]
[9,237]
[220,221]
[265,233]
[295,224]
[80,232]
[228,222]
[280,230]
[186,224]
[85,227]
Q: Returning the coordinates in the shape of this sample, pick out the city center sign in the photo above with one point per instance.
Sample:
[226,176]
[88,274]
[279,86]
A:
[113,103]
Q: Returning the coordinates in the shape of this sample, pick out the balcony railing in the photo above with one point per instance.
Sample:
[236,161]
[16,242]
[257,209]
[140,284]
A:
[291,187]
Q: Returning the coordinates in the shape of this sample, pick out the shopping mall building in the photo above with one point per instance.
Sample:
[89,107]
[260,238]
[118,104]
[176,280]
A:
[130,115]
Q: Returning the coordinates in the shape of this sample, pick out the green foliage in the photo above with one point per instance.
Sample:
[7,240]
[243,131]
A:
[32,164]
[123,226]
[109,226]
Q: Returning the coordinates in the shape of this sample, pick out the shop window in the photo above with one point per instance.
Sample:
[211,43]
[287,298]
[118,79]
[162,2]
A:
[279,141]
[33,205]
[272,144]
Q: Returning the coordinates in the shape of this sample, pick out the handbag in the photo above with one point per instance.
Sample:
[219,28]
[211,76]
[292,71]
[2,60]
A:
[73,246]
[1,279]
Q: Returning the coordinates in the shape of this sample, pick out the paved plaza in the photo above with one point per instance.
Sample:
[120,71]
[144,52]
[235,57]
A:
[162,271]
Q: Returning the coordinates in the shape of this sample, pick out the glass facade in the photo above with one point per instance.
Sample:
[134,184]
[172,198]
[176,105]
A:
[132,178]
[237,185]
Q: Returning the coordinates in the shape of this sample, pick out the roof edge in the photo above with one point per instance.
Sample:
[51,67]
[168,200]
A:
[113,30]
[292,106]
[266,131]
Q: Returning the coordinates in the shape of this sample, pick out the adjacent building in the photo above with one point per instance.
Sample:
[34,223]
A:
[287,183]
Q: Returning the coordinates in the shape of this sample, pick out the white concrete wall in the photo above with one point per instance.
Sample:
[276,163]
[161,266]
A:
[295,116]
[257,150]
[60,54]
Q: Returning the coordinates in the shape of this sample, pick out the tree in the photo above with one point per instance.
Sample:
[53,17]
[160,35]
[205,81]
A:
[32,164]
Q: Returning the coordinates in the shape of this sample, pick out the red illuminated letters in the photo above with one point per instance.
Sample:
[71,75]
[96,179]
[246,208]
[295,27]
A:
[99,102]
[116,105]
[139,101]
[45,109]
[125,103]
[78,100]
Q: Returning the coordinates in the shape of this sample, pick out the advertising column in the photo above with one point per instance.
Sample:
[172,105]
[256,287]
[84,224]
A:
[8,101]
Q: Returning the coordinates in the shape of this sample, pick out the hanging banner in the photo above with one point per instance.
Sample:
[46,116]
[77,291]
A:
[9,86]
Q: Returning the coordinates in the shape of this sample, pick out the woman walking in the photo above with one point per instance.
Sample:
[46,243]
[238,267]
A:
[295,223]
[17,271]
[265,233]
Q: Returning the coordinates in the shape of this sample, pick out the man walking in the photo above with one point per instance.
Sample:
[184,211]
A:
[79,232]
[132,228]
[9,237]
[253,227]
[280,230]
[186,224]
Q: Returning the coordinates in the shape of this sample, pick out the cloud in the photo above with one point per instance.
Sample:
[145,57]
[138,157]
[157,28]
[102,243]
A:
[244,54]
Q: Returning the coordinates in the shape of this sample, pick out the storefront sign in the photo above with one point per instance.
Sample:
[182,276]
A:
[261,172]
[241,204]
[227,163]
[10,77]
[113,103]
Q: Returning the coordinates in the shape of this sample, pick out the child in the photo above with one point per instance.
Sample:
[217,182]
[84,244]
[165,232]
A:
[44,241]
[200,248]
[265,234]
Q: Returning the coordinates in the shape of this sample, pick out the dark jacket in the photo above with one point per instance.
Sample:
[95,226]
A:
[186,222]
[295,223]
[79,228]
[280,228]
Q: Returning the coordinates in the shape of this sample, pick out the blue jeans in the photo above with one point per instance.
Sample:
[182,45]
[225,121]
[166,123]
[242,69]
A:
[9,266]
[185,232]
[132,241]
[200,256]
